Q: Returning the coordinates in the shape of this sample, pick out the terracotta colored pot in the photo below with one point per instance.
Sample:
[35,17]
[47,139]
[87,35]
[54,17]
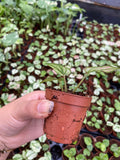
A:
[64,124]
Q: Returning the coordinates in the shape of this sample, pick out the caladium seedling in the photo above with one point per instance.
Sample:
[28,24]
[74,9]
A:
[64,71]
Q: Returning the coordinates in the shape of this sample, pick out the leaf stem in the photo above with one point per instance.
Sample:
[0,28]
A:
[65,83]
[80,82]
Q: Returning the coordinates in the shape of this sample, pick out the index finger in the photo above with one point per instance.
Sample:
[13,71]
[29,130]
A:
[35,95]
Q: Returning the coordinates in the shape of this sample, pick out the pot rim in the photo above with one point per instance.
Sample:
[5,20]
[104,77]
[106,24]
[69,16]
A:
[61,97]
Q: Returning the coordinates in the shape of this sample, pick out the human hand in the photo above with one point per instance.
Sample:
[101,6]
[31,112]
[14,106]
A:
[23,119]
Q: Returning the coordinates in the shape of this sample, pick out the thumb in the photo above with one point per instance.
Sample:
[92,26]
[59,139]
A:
[33,109]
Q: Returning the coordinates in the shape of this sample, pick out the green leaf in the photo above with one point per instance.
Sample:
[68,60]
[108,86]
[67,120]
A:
[10,39]
[31,79]
[17,157]
[30,154]
[59,69]
[117,105]
[43,138]
[80,157]
[86,152]
[45,147]
[106,69]
[28,9]
[116,128]
[35,146]
[103,147]
[87,140]
[114,147]
[70,152]
[49,79]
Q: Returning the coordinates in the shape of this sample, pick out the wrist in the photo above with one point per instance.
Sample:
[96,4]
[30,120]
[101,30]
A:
[4,151]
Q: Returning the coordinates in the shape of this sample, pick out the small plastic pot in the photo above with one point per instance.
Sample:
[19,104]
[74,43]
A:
[114,158]
[107,129]
[114,141]
[68,147]
[100,139]
[65,122]
[88,157]
[81,141]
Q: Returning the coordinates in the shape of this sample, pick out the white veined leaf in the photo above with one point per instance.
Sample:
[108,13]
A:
[22,77]
[30,154]
[36,62]
[109,123]
[10,39]
[94,99]
[42,86]
[13,65]
[105,69]
[17,157]
[10,77]
[96,91]
[43,138]
[35,146]
[37,72]
[59,69]
[2,57]
[4,96]
[116,128]
[30,69]
[16,78]
[31,79]
[118,62]
[118,113]
[29,56]
[39,53]
[71,81]
[36,85]
[30,89]
[14,71]
[7,49]
[47,156]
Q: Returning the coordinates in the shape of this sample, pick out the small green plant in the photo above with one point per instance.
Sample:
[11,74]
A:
[70,153]
[115,149]
[81,157]
[101,156]
[88,142]
[102,146]
[64,71]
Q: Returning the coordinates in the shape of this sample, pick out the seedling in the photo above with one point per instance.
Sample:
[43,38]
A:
[64,71]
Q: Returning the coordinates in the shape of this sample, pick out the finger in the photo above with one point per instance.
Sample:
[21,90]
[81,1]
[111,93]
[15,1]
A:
[32,109]
[35,95]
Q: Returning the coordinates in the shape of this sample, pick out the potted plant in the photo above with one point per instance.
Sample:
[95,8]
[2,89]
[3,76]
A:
[81,156]
[101,144]
[87,141]
[69,152]
[87,153]
[64,124]
[101,156]
[115,148]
